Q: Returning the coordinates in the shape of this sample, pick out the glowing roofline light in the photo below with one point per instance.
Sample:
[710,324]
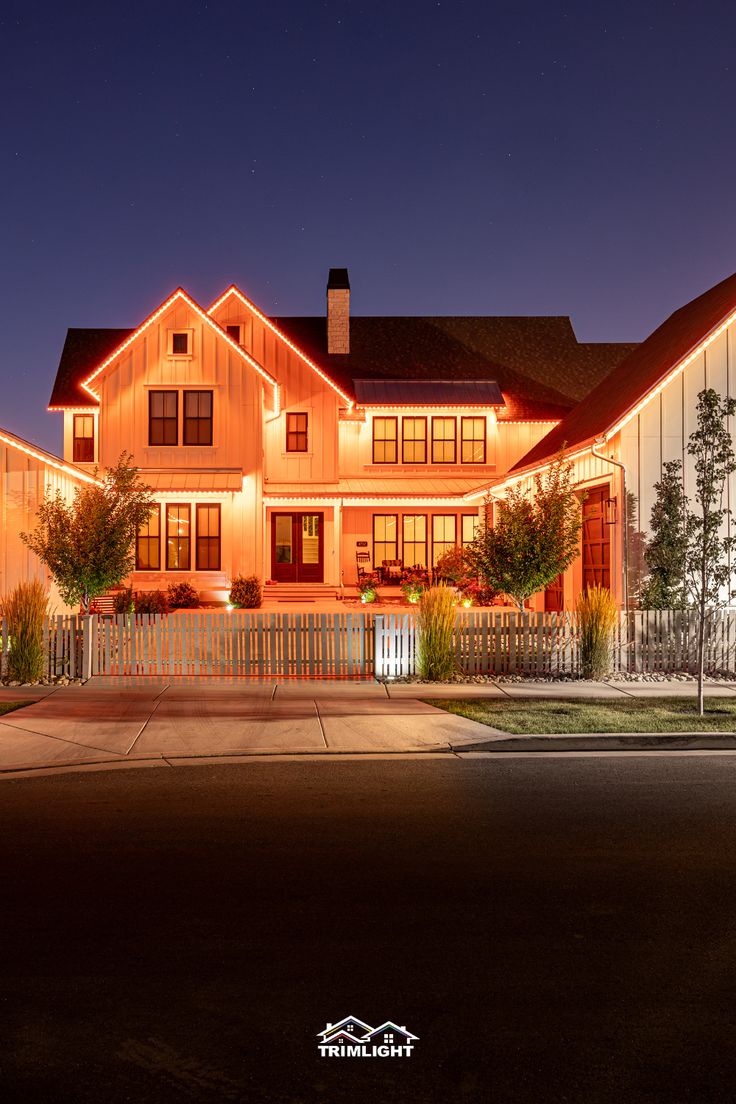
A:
[49,461]
[233,290]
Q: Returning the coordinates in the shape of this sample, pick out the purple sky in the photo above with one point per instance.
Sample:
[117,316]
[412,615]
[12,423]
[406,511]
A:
[459,157]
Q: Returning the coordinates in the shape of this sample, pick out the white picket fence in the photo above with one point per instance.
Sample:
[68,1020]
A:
[355,645]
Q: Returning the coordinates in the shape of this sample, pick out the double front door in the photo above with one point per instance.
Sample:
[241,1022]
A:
[297,548]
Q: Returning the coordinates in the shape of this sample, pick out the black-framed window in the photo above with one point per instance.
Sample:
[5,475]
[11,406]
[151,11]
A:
[385,538]
[208,536]
[414,540]
[180,343]
[444,535]
[473,440]
[297,432]
[178,536]
[444,433]
[468,528]
[197,417]
[414,440]
[163,417]
[84,439]
[385,440]
[148,543]
[233,331]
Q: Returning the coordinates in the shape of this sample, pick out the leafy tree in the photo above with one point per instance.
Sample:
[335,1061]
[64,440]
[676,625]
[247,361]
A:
[636,544]
[89,545]
[535,537]
[707,568]
[665,586]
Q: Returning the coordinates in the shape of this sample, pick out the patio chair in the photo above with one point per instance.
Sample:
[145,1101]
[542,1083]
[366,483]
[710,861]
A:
[391,570]
[363,564]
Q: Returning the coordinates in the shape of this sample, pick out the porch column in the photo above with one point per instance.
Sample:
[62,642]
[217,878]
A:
[337,520]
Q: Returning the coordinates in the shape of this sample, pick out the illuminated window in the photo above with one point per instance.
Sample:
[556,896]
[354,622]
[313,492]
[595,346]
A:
[443,440]
[84,439]
[197,417]
[208,536]
[414,440]
[385,440]
[297,432]
[444,535]
[180,344]
[163,417]
[414,540]
[148,543]
[473,441]
[469,523]
[385,534]
[178,521]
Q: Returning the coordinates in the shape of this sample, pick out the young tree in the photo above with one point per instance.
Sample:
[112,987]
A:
[535,537]
[89,545]
[707,569]
[664,587]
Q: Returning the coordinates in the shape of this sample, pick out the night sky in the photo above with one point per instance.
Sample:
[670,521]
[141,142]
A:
[459,157]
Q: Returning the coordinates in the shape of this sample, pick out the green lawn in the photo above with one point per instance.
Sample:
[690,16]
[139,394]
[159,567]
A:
[8,707]
[524,717]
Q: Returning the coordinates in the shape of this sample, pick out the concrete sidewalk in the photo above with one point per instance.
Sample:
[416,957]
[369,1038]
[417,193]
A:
[142,720]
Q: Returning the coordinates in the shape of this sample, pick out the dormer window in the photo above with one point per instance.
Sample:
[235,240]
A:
[233,332]
[180,343]
[84,439]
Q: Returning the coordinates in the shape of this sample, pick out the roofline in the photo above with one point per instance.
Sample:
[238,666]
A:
[181,294]
[524,473]
[235,290]
[37,453]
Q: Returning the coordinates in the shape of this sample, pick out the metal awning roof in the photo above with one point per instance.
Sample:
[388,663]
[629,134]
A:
[422,392]
[186,479]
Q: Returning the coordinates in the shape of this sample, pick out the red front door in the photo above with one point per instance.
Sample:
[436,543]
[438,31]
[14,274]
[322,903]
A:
[297,548]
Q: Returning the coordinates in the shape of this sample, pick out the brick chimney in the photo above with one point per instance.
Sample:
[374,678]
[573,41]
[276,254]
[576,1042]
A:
[338,311]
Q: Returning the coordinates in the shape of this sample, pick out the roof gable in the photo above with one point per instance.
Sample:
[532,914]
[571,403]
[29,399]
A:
[628,388]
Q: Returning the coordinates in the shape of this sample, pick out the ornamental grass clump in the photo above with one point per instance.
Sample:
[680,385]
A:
[597,617]
[25,609]
[435,630]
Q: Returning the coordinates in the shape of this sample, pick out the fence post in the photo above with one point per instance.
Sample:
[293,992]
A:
[86,647]
[378,645]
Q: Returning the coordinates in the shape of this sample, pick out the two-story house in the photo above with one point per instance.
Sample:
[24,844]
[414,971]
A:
[283,446]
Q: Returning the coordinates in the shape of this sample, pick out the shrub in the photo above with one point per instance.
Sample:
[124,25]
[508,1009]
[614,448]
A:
[414,583]
[597,617]
[479,594]
[368,587]
[151,601]
[435,630]
[246,592]
[182,596]
[123,601]
[453,567]
[25,609]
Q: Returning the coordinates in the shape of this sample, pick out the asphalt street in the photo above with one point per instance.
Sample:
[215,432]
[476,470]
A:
[553,929]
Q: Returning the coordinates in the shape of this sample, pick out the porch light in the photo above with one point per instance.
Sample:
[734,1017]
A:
[610,511]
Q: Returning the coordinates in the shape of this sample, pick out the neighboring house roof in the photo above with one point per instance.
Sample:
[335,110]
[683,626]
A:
[428,392]
[640,373]
[47,458]
[537,362]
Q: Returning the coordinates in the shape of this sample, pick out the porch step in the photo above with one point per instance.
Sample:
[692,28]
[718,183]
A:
[300,592]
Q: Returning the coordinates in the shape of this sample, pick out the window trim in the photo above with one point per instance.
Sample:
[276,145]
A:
[376,564]
[211,419]
[208,506]
[473,418]
[445,418]
[179,506]
[163,391]
[76,437]
[385,418]
[138,538]
[404,442]
[297,432]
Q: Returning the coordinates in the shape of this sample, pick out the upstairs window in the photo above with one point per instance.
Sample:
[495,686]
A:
[473,441]
[84,439]
[385,440]
[297,426]
[414,440]
[234,332]
[163,417]
[197,417]
[148,543]
[180,343]
[443,440]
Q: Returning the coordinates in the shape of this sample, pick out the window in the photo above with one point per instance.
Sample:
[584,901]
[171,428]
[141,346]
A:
[163,417]
[297,426]
[414,540]
[469,523]
[385,440]
[148,543]
[385,530]
[208,536]
[444,530]
[473,440]
[84,439]
[414,440]
[443,440]
[177,537]
[180,344]
[234,332]
[197,417]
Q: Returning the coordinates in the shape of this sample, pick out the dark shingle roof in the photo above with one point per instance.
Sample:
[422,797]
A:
[638,373]
[431,392]
[83,351]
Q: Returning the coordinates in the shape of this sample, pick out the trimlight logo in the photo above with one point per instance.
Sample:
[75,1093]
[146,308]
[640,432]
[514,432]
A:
[351,1038]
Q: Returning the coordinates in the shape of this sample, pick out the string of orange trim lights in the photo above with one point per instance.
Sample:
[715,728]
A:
[235,291]
[48,460]
[182,295]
